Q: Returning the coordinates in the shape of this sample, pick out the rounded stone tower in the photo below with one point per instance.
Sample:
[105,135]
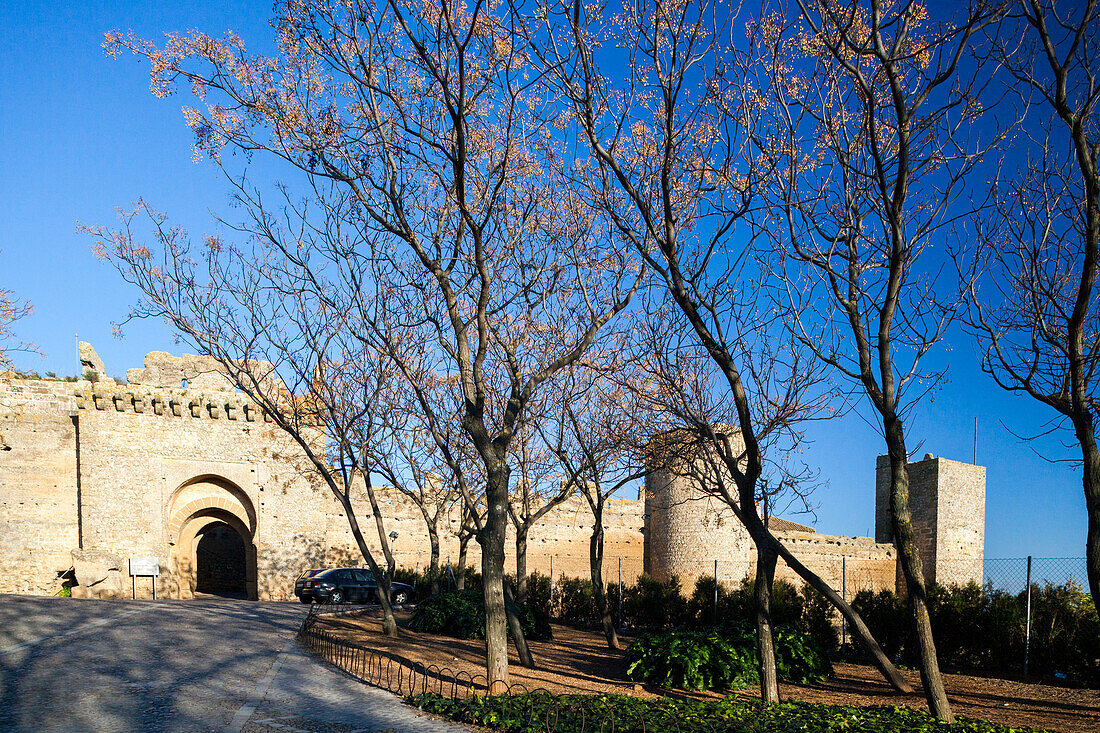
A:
[686,529]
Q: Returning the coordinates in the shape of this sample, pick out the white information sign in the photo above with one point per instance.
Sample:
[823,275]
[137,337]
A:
[144,566]
[141,567]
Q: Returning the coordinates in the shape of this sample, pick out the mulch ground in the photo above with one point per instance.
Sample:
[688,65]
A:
[578,661]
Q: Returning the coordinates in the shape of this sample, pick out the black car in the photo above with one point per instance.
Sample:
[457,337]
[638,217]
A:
[300,584]
[347,585]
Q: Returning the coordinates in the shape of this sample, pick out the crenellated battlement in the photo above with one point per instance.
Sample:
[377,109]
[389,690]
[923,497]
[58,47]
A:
[193,404]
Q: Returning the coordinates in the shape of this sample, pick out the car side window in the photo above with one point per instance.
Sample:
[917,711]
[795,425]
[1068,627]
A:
[336,576]
[362,576]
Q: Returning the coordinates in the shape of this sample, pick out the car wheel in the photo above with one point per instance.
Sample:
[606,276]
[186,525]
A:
[400,598]
[304,599]
[336,597]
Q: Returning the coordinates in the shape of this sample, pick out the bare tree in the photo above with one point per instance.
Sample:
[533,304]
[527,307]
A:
[598,433]
[11,310]
[873,111]
[674,169]
[539,489]
[418,134]
[1031,285]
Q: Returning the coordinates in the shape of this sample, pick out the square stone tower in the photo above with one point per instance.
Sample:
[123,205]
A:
[947,500]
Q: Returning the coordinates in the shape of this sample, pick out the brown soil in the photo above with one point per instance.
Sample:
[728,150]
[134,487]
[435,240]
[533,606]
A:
[579,662]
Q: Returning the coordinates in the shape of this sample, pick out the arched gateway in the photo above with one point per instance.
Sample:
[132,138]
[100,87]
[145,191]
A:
[202,516]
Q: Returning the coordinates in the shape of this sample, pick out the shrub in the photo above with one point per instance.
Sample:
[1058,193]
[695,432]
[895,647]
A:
[576,602]
[538,592]
[574,713]
[461,614]
[457,613]
[798,658]
[722,660]
[420,581]
[692,660]
[700,607]
[652,604]
[1065,632]
[818,620]
[958,621]
[535,622]
[886,617]
[981,628]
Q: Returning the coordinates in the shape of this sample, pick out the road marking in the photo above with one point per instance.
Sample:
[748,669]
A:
[245,712]
[75,630]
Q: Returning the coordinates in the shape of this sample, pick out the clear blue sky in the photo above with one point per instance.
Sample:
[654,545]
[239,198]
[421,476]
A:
[80,134]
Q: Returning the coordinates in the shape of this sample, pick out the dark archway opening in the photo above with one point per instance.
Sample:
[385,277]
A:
[220,562]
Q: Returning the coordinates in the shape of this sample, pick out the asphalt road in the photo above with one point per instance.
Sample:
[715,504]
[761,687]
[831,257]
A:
[215,664]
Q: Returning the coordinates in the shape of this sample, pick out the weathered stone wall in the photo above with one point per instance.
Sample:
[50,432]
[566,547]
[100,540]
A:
[688,531]
[143,446]
[679,517]
[157,465]
[848,564]
[562,534]
[145,468]
[38,497]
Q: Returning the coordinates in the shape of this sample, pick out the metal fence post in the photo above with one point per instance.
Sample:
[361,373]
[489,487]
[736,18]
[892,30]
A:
[844,596]
[620,592]
[551,585]
[1027,627]
[716,592]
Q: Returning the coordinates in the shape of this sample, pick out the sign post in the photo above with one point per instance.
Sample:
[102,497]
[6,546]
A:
[144,567]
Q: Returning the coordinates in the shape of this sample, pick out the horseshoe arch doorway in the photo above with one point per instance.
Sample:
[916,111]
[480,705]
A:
[211,530]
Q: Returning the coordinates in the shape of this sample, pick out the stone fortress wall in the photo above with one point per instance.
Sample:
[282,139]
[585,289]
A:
[688,530]
[93,472]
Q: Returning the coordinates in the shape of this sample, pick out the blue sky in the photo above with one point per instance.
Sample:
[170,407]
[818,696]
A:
[81,135]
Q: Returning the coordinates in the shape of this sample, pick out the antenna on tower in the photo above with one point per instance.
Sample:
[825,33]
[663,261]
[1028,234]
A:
[975,461]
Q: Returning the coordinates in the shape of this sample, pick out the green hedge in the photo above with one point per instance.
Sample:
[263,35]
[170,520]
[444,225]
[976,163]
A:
[461,614]
[533,712]
[978,628]
[651,605]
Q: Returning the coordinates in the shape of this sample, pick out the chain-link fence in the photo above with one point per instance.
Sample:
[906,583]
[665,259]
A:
[1049,593]
[1012,574]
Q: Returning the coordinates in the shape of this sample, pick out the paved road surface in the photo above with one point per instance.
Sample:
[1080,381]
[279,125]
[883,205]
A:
[204,665]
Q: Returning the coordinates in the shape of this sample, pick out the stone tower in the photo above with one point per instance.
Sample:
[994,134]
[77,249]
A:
[686,530]
[947,501]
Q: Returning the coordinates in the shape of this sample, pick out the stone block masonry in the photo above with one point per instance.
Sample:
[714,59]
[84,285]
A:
[168,463]
[947,503]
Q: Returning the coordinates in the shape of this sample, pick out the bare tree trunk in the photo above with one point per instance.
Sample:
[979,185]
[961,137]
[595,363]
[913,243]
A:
[765,639]
[433,562]
[491,539]
[595,556]
[1090,459]
[521,564]
[384,580]
[460,576]
[913,570]
[522,650]
[389,623]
